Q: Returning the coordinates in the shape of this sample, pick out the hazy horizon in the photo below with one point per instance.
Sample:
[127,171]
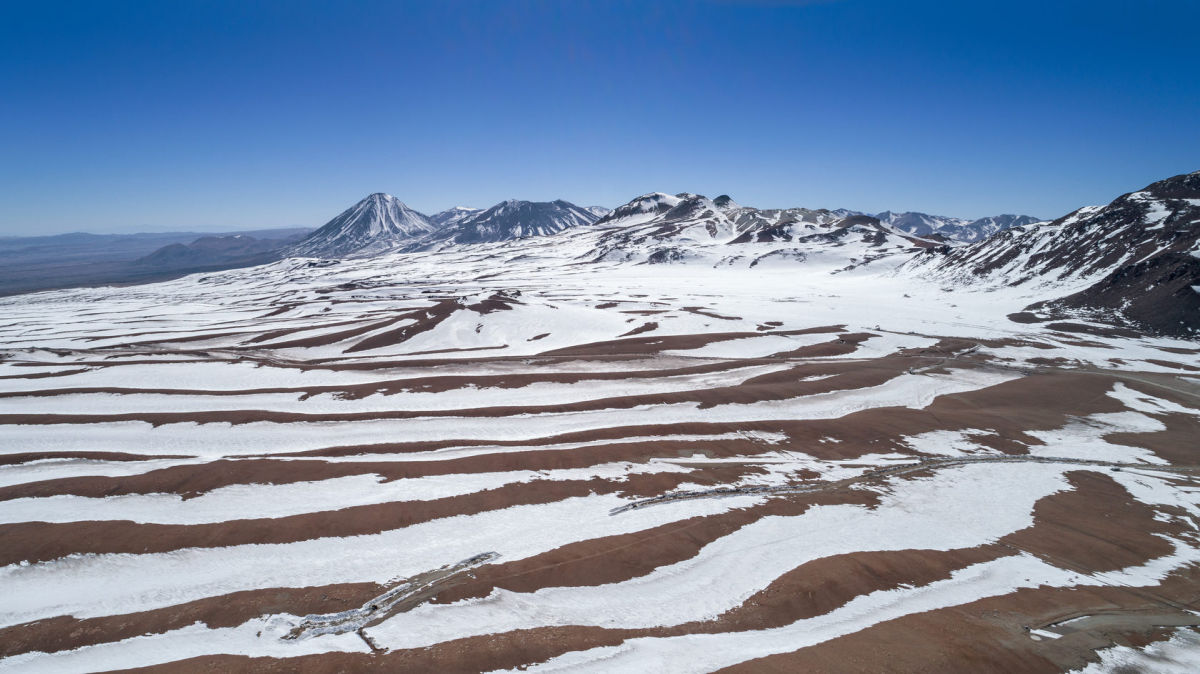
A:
[149,231]
[217,228]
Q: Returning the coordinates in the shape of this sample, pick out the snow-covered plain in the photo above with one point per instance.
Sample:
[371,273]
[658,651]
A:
[309,424]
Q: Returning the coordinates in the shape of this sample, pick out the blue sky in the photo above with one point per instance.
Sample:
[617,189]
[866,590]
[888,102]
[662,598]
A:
[131,116]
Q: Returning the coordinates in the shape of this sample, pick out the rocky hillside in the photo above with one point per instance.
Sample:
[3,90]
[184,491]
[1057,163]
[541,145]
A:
[1134,259]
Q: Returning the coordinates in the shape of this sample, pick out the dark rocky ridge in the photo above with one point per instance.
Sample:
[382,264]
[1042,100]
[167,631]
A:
[1156,294]
[1136,257]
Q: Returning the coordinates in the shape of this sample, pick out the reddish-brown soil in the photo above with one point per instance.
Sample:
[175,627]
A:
[1095,526]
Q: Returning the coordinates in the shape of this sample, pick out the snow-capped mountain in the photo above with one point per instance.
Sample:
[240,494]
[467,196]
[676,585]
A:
[381,223]
[651,227]
[1137,256]
[641,209]
[955,229]
[512,219]
[451,216]
[377,224]
[658,228]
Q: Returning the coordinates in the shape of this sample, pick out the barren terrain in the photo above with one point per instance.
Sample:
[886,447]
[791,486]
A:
[507,458]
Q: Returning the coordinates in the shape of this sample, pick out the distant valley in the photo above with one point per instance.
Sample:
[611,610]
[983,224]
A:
[33,263]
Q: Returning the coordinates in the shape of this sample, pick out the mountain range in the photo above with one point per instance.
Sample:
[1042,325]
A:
[1133,261]
[381,223]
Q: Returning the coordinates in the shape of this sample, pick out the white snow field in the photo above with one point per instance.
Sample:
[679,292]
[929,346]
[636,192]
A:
[768,454]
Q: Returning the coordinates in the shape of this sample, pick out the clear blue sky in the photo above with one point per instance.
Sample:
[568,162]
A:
[124,116]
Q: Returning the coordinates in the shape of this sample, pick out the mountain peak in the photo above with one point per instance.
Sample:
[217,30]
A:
[376,224]
[641,208]
[510,219]
[726,203]
[1182,186]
